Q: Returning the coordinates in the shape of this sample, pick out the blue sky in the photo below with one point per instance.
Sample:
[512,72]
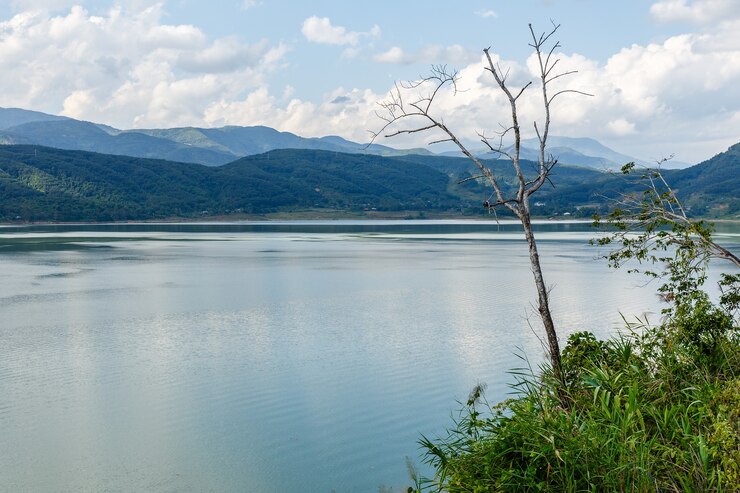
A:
[665,73]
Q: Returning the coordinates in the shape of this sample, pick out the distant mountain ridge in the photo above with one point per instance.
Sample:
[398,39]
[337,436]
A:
[85,136]
[218,146]
[208,146]
[578,151]
[47,184]
[585,146]
[11,117]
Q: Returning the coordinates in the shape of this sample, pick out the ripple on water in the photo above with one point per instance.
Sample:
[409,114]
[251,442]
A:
[266,363]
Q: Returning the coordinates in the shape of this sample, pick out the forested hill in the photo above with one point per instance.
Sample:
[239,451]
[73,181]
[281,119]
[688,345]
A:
[217,146]
[38,183]
[713,185]
[209,146]
[46,184]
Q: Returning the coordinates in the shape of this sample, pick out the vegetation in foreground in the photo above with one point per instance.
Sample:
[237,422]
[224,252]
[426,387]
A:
[654,409]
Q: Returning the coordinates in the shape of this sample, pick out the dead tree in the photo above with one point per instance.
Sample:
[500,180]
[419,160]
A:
[418,113]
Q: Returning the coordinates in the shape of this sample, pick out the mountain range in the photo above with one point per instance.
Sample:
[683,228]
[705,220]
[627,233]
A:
[218,146]
[47,184]
[55,168]
[207,146]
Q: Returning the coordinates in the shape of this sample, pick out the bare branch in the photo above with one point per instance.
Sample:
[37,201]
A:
[419,112]
[499,149]
[522,90]
[564,91]
[470,178]
[562,74]
[411,130]
[551,67]
[439,141]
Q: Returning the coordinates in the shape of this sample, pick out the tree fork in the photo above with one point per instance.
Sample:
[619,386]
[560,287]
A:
[398,108]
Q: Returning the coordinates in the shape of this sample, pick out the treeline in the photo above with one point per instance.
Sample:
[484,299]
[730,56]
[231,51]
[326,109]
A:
[46,184]
[38,183]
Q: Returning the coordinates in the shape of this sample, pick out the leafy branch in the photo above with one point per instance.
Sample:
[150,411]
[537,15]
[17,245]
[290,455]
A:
[654,229]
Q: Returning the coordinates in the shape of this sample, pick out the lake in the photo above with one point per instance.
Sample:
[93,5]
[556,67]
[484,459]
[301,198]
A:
[271,357]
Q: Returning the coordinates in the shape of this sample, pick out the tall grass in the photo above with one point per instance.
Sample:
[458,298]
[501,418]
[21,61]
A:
[654,409]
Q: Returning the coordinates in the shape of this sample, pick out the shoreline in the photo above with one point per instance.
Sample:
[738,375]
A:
[322,217]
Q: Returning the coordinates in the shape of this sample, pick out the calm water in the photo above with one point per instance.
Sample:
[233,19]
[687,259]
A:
[280,357]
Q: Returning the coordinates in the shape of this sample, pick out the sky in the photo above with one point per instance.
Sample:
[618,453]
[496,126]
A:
[664,74]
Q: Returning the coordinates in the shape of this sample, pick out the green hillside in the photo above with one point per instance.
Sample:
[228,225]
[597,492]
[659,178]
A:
[208,146]
[217,146]
[38,183]
[307,179]
[78,135]
[713,186]
[11,117]
[708,189]
[46,184]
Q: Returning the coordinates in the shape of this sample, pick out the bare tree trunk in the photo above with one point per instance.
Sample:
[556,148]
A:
[543,300]
[397,108]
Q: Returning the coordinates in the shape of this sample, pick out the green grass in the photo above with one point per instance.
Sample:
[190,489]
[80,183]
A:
[655,409]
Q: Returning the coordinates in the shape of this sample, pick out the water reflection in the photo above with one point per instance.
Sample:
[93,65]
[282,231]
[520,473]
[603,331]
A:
[296,358]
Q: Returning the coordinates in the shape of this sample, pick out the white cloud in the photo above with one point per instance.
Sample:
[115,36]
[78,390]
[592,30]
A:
[350,52]
[20,5]
[678,96]
[486,13]
[248,4]
[393,55]
[620,127]
[130,68]
[320,30]
[696,11]
[223,55]
[125,68]
[454,54]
